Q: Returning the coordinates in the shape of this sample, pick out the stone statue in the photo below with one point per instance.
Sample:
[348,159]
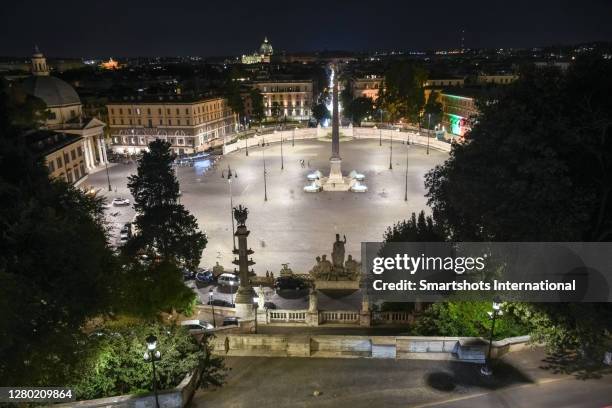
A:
[240,214]
[316,270]
[338,253]
[352,268]
[326,268]
[285,270]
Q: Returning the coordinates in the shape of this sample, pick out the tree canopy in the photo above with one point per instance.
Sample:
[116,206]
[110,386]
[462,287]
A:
[401,93]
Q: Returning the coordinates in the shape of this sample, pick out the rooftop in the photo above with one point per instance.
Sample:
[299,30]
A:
[161,99]
[45,142]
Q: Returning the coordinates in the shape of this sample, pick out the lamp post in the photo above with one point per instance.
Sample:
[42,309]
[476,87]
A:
[380,129]
[246,143]
[106,165]
[256,302]
[406,187]
[293,137]
[231,175]
[265,172]
[428,124]
[211,298]
[391,152]
[153,355]
[486,369]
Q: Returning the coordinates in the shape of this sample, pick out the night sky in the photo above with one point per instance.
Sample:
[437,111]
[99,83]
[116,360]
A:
[225,27]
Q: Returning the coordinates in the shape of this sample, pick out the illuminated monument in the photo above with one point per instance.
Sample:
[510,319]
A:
[335,181]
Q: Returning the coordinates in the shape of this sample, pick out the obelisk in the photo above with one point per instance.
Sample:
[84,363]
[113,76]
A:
[245,293]
[335,181]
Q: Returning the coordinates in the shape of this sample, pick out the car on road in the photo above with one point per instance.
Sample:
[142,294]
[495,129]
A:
[204,276]
[289,283]
[197,326]
[120,201]
[220,302]
[228,279]
[188,275]
[230,321]
[269,305]
[126,231]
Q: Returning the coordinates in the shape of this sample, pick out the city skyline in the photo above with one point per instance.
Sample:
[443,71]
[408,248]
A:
[217,30]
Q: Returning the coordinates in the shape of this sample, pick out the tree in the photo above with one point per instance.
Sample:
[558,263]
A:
[421,229]
[432,110]
[257,105]
[320,112]
[276,111]
[56,267]
[360,108]
[401,92]
[538,167]
[115,363]
[165,228]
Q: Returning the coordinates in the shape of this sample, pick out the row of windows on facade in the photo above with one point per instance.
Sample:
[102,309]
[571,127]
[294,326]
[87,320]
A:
[59,162]
[179,122]
[286,89]
[141,141]
[77,174]
[199,109]
[286,104]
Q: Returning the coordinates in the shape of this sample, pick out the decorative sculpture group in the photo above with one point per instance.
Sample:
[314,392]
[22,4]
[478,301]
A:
[337,269]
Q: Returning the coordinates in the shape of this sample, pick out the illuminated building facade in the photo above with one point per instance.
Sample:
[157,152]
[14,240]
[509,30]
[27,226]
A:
[189,124]
[291,99]
[367,86]
[457,112]
[263,55]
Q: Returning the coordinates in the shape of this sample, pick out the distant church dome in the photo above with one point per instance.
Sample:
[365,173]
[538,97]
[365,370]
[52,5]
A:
[266,48]
[53,91]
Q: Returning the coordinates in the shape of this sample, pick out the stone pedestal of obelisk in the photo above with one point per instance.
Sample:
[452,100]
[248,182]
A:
[335,181]
[245,293]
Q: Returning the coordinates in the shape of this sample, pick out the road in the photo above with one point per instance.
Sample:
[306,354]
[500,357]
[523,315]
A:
[519,381]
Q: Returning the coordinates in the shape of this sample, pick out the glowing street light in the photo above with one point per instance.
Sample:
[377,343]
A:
[231,175]
[211,298]
[486,369]
[153,355]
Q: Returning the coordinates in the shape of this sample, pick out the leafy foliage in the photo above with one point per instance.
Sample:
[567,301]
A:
[538,167]
[320,112]
[116,364]
[401,94]
[421,229]
[359,108]
[257,105]
[468,319]
[56,269]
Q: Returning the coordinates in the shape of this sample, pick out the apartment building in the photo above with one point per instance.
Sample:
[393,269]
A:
[189,124]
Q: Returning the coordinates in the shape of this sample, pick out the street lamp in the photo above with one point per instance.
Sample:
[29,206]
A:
[406,189]
[380,129]
[293,137]
[263,154]
[105,165]
[231,175]
[211,298]
[256,302]
[246,143]
[153,355]
[391,152]
[486,369]
[428,134]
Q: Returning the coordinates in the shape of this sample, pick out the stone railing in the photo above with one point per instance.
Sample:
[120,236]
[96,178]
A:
[412,137]
[339,316]
[392,317]
[286,316]
[466,349]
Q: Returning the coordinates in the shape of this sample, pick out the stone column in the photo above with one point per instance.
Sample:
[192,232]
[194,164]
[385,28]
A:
[312,317]
[245,293]
[104,150]
[90,154]
[365,316]
[100,151]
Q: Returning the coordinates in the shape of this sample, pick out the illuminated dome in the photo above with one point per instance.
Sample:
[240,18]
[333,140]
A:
[266,48]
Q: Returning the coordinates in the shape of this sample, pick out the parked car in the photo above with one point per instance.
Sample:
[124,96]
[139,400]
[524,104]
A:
[188,275]
[197,326]
[220,302]
[269,305]
[120,201]
[230,321]
[228,279]
[204,276]
[289,283]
